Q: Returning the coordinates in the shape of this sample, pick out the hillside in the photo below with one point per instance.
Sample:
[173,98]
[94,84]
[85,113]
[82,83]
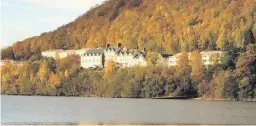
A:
[175,25]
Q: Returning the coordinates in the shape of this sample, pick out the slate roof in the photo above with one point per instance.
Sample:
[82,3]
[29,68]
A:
[95,50]
[136,53]
[116,49]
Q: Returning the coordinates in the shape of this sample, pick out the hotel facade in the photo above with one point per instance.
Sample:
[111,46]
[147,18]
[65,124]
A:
[123,57]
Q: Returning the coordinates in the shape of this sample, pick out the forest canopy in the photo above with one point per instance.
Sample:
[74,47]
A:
[179,25]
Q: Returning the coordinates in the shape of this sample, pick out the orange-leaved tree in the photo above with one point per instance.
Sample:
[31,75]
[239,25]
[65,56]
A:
[183,61]
[43,70]
[54,79]
[110,68]
[196,64]
[183,71]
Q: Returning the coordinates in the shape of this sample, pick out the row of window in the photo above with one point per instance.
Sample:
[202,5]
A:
[174,62]
[90,61]
[121,60]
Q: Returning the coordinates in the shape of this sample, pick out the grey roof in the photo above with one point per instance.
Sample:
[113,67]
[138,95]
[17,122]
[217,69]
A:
[95,50]
[136,53]
[116,49]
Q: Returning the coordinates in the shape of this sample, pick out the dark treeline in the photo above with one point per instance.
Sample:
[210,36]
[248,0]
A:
[233,79]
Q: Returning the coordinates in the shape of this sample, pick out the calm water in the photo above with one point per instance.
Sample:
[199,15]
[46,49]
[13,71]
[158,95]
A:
[25,109]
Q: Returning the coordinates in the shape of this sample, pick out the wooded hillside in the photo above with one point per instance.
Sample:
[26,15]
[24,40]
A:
[175,25]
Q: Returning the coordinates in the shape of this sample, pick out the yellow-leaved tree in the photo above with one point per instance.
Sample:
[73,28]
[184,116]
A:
[110,68]
[43,71]
[7,73]
[183,72]
[54,79]
[153,58]
[221,39]
[31,77]
[196,64]
[183,61]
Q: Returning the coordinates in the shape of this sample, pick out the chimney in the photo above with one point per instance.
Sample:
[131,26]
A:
[108,45]
[137,47]
[144,49]
[119,45]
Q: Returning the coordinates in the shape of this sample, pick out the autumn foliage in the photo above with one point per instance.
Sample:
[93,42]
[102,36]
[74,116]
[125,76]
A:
[43,71]
[64,77]
[173,25]
[160,26]
[110,68]
[196,63]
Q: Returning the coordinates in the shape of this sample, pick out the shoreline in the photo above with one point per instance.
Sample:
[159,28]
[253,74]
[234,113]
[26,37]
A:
[155,98]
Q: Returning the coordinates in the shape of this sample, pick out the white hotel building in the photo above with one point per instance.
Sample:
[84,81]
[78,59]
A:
[92,58]
[52,53]
[97,57]
[123,58]
[206,57]
[130,58]
[62,53]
